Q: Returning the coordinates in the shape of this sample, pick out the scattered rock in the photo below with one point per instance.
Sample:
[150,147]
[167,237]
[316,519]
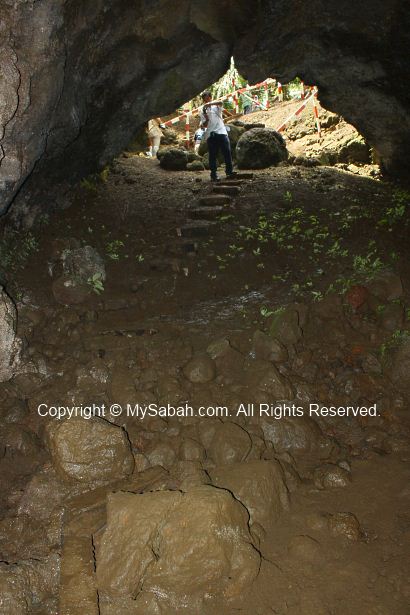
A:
[330,476]
[191,450]
[200,369]
[344,524]
[89,451]
[259,485]
[264,377]
[162,454]
[195,165]
[298,435]
[175,545]
[230,444]
[218,348]
[354,150]
[284,326]
[268,348]
[81,264]
[371,364]
[259,148]
[173,159]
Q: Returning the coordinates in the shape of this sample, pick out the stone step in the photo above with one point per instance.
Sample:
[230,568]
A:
[228,190]
[206,213]
[213,200]
[188,246]
[199,228]
[240,176]
[231,182]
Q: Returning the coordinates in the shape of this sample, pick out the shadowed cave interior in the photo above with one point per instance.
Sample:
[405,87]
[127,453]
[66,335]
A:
[204,387]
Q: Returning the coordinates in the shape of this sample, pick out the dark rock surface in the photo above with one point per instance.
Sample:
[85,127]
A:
[9,343]
[354,53]
[259,148]
[79,80]
[173,159]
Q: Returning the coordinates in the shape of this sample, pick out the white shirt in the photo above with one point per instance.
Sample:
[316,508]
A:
[215,121]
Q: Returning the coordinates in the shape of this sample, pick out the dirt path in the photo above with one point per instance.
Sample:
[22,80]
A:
[291,236]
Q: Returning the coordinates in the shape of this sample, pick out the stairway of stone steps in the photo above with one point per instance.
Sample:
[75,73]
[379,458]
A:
[205,213]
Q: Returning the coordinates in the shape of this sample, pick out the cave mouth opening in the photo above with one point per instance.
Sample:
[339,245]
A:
[157,286]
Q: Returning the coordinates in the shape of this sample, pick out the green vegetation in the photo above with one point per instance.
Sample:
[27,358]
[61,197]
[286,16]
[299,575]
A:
[394,213]
[113,249]
[96,283]
[325,236]
[397,338]
[92,182]
[15,249]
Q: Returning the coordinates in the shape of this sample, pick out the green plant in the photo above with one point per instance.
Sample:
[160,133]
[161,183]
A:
[89,183]
[396,211]
[15,250]
[96,283]
[265,312]
[398,337]
[367,265]
[113,249]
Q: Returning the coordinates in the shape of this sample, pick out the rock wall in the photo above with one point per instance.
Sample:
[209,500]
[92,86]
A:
[354,51]
[77,80]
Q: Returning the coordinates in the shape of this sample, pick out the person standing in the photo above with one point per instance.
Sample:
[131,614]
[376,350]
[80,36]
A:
[155,135]
[198,138]
[246,103]
[216,135]
[255,104]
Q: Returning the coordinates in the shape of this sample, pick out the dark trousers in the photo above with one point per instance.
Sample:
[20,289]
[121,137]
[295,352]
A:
[218,143]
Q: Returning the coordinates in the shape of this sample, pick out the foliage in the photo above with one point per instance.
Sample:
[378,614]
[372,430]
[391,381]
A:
[96,283]
[113,249]
[15,249]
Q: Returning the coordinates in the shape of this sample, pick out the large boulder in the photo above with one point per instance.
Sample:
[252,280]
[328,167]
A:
[259,485]
[173,159]
[230,444]
[10,344]
[354,150]
[82,267]
[89,451]
[259,148]
[297,435]
[264,377]
[172,550]
[83,263]
[200,369]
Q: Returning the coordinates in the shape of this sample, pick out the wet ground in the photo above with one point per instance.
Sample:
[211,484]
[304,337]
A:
[290,240]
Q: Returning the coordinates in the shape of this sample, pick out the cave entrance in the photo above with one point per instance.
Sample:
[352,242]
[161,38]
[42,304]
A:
[180,349]
[292,109]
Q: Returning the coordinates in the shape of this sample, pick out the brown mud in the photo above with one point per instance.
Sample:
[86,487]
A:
[254,306]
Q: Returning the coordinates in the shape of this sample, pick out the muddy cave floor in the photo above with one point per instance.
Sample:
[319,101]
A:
[292,236]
